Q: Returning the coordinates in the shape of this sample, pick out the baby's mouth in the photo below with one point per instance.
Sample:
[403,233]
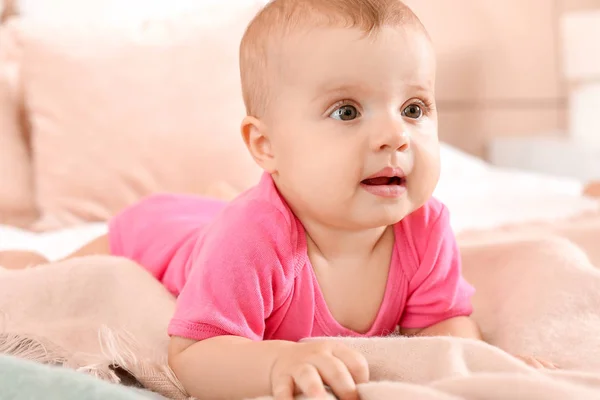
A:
[385,181]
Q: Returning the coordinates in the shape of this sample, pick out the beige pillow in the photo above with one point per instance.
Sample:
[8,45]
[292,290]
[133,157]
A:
[17,203]
[118,113]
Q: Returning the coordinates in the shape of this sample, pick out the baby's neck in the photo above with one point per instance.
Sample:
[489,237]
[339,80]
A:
[334,244]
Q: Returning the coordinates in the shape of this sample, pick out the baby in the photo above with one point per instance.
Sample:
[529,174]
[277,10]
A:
[340,237]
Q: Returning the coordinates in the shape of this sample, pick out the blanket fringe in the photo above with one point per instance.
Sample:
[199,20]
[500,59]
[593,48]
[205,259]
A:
[117,350]
[31,348]
[148,367]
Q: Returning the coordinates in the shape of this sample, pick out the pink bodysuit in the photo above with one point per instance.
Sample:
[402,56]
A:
[241,268]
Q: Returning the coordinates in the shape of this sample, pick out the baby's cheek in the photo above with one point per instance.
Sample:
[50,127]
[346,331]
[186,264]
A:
[426,150]
[424,177]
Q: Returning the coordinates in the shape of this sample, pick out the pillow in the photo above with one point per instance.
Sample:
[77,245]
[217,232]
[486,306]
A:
[17,206]
[482,196]
[115,11]
[119,112]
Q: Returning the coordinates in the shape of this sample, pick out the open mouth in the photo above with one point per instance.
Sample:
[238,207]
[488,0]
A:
[385,181]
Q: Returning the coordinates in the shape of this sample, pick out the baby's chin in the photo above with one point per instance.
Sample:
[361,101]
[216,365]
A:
[383,216]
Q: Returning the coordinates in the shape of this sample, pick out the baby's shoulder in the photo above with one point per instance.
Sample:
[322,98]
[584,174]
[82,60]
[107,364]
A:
[257,213]
[429,216]
[255,218]
[257,229]
[420,230]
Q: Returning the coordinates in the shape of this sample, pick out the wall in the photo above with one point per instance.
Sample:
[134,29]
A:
[499,67]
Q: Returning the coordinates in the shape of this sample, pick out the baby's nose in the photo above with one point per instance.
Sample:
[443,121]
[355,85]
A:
[394,138]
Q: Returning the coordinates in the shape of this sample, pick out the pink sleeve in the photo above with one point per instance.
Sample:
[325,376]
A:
[236,281]
[437,290]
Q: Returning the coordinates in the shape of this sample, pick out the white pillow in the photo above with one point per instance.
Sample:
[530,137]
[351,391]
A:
[482,196]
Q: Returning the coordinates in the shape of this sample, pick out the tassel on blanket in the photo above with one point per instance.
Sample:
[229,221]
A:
[119,352]
[152,371]
[43,351]
[31,348]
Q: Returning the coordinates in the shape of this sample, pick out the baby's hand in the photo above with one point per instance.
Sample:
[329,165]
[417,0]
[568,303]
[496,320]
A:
[536,362]
[307,367]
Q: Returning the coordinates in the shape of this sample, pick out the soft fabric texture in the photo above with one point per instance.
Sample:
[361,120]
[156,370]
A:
[121,111]
[242,268]
[90,317]
[483,196]
[24,380]
[17,202]
[533,298]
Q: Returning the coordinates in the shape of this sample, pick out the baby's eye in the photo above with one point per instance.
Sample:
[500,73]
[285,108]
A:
[345,113]
[413,111]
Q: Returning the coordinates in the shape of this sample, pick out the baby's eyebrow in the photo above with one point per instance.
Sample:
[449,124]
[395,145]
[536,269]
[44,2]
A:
[329,90]
[345,89]
[420,88]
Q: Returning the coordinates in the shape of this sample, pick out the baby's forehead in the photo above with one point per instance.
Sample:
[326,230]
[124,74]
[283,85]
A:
[342,57]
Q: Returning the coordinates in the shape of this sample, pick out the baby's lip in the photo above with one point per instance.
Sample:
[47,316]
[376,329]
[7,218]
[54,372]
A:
[388,172]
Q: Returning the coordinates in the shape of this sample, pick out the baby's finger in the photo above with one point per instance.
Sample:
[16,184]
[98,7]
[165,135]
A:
[355,362]
[309,382]
[283,388]
[335,374]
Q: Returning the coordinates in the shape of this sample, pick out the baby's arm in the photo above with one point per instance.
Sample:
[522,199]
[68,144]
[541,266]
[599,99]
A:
[439,303]
[439,299]
[225,366]
[463,327]
[231,367]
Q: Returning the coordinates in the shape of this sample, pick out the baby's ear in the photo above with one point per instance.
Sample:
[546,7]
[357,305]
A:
[257,141]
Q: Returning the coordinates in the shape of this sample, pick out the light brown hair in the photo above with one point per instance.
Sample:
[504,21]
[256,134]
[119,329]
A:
[280,17]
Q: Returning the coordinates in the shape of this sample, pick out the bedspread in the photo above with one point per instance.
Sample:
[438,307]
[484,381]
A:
[539,297]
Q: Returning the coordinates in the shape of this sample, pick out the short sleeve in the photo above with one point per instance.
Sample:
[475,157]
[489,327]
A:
[437,290]
[237,278]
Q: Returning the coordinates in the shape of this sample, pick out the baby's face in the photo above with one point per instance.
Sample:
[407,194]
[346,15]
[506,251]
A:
[346,108]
